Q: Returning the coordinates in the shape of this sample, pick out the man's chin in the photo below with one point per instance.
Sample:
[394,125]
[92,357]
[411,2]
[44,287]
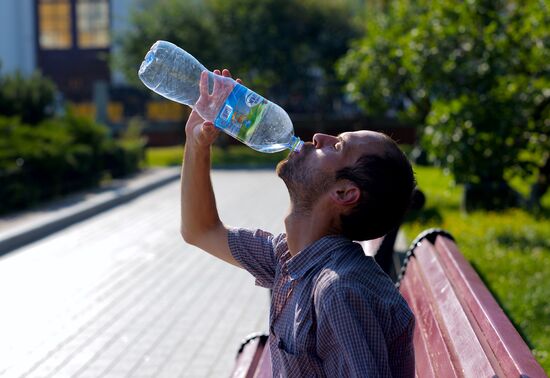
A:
[286,169]
[289,166]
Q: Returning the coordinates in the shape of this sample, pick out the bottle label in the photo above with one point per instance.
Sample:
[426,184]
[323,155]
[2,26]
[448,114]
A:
[241,113]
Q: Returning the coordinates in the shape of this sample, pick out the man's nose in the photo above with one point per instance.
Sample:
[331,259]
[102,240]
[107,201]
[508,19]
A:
[321,140]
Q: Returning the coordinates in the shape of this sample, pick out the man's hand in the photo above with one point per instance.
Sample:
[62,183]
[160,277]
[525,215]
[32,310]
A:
[201,133]
[200,223]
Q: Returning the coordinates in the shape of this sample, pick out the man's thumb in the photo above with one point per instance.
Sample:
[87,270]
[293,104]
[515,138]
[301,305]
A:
[209,130]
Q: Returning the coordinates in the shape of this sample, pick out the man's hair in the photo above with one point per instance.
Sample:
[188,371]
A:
[386,183]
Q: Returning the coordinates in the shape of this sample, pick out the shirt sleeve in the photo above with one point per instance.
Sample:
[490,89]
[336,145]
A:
[404,348]
[255,251]
[350,339]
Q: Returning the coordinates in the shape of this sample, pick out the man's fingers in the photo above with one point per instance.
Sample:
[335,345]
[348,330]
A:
[216,85]
[225,72]
[203,84]
[208,128]
[209,131]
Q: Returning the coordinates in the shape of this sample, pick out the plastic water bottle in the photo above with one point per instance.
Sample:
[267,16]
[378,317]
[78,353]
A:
[175,74]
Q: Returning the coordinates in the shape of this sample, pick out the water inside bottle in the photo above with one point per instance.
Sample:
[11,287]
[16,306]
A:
[271,148]
[294,145]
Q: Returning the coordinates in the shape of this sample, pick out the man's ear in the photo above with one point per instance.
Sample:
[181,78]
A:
[345,193]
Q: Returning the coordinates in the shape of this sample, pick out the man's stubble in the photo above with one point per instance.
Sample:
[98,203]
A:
[305,184]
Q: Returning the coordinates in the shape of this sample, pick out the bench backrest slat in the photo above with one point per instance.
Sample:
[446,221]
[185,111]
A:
[248,359]
[457,331]
[460,331]
[430,349]
[507,351]
[264,366]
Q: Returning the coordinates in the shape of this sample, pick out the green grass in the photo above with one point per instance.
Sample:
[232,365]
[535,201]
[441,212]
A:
[231,157]
[163,156]
[510,250]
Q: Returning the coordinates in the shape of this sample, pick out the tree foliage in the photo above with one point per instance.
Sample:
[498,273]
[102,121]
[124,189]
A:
[282,48]
[475,75]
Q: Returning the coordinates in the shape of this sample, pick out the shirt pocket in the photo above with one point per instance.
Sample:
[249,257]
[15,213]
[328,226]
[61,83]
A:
[296,363]
[299,353]
[299,339]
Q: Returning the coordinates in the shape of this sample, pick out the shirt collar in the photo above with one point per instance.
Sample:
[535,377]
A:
[314,254]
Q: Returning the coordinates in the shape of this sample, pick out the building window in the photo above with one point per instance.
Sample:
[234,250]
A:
[93,23]
[55,24]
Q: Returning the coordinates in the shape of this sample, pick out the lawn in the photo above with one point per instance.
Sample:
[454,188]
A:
[510,250]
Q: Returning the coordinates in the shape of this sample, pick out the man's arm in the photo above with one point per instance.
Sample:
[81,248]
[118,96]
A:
[200,222]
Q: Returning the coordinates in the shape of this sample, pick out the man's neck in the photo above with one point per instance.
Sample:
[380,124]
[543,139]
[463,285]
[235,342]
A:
[305,228]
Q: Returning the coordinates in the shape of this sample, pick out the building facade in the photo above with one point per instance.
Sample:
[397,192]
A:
[72,44]
[71,41]
[17,34]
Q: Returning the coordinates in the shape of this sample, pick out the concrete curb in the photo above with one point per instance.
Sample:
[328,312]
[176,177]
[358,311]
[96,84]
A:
[31,231]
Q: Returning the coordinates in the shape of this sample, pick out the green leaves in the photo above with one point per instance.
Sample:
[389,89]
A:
[280,48]
[475,76]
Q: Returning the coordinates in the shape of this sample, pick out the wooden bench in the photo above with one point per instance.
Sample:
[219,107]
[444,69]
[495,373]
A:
[253,358]
[460,330]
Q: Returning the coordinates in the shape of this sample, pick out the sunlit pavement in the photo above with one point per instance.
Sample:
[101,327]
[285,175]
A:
[121,294]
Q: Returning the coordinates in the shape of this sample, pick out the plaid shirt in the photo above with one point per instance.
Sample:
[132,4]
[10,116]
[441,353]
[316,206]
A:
[334,312]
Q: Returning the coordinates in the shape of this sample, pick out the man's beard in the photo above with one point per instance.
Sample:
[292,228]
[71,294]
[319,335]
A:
[305,184]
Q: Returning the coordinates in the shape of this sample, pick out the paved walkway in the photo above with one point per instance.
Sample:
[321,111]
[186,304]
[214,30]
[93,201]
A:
[121,295]
[31,225]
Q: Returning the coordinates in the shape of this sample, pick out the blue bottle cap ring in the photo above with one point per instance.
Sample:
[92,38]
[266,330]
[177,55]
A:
[296,144]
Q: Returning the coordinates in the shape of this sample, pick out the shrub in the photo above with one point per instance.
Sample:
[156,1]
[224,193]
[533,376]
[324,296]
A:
[58,156]
[32,161]
[30,98]
[123,158]
[125,155]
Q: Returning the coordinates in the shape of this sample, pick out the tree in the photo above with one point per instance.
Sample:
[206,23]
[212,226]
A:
[284,49]
[474,75]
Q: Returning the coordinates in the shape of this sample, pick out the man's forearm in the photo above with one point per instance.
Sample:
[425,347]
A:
[199,214]
[200,223]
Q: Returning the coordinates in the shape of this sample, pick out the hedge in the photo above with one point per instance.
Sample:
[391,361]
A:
[58,156]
